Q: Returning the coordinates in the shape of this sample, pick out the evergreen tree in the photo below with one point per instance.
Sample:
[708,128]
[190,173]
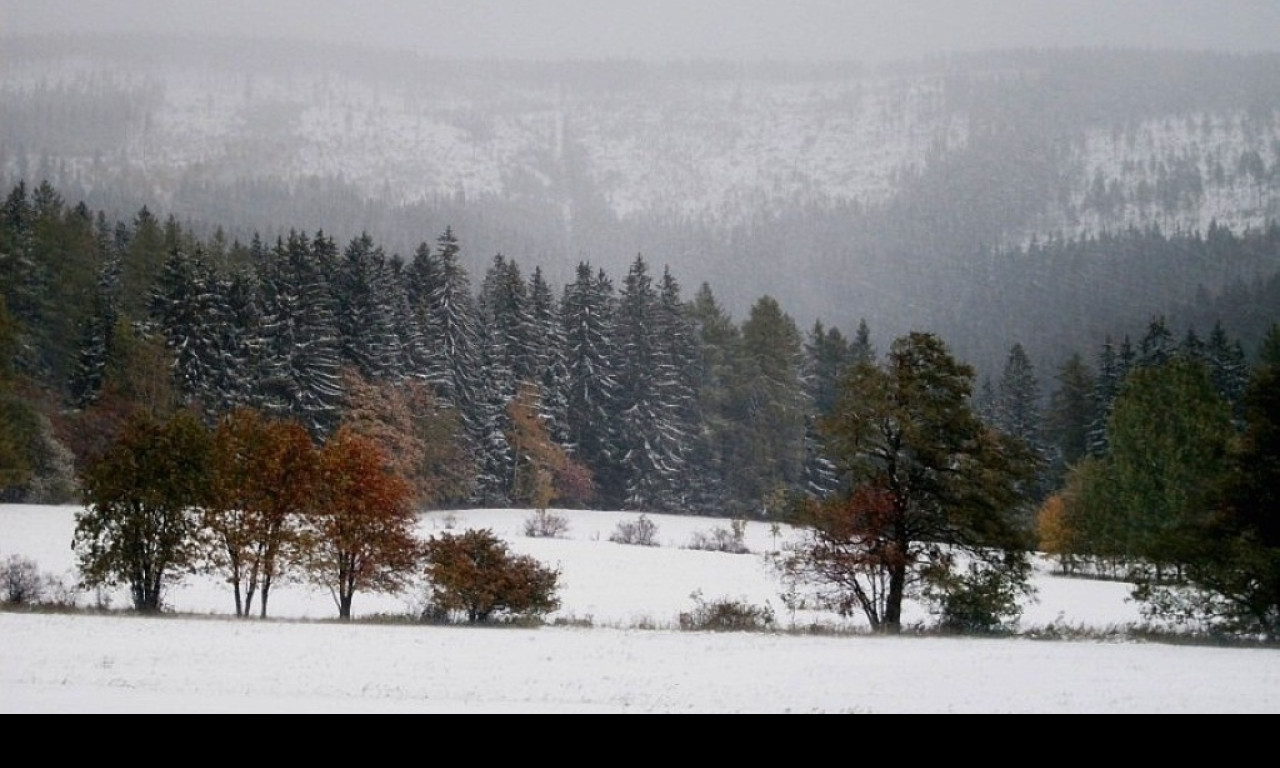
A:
[97,336]
[549,353]
[1157,346]
[649,428]
[1071,412]
[588,310]
[1113,368]
[1227,365]
[828,356]
[365,311]
[1018,400]
[452,330]
[300,337]
[862,349]
[770,404]
[183,304]
[411,339]
[716,370]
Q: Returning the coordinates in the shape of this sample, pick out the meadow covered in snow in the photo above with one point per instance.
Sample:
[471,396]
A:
[613,647]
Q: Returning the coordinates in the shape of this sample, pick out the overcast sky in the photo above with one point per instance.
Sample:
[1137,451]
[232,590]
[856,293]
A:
[867,30]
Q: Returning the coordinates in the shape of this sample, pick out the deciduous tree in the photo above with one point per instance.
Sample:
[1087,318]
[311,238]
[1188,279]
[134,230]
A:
[361,525]
[142,506]
[475,574]
[932,492]
[263,476]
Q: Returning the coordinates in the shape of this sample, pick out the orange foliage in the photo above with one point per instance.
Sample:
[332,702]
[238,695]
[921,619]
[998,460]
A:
[362,524]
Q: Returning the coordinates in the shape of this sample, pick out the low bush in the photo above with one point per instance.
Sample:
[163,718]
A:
[730,540]
[641,532]
[545,525]
[20,581]
[725,615]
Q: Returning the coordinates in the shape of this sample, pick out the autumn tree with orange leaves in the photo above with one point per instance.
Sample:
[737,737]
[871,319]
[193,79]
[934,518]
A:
[416,431]
[361,525]
[264,475]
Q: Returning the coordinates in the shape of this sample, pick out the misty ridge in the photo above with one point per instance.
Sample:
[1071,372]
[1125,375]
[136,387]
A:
[1029,196]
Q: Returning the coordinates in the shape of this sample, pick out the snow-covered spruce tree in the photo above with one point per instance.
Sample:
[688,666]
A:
[551,365]
[411,340]
[588,310]
[96,335]
[365,311]
[1112,371]
[509,361]
[1018,400]
[493,456]
[649,429]
[505,315]
[300,338]
[451,328]
[828,354]
[185,305]
[676,336]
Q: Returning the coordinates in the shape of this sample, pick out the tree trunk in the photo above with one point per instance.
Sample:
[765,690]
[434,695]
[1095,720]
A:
[892,624]
[266,590]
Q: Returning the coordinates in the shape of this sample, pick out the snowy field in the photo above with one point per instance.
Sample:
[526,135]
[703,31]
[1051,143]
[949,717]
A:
[616,651]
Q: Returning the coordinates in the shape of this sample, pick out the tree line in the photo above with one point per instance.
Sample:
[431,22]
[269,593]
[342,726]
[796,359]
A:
[916,479]
[256,502]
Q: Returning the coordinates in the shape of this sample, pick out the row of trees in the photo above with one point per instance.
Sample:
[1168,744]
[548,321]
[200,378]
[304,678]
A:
[1181,498]
[656,401]
[256,502]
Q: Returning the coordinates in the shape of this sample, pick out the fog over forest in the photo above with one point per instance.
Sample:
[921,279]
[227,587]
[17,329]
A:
[855,160]
[862,30]
[945,282]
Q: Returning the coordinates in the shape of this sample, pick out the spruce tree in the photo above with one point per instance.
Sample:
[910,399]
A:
[300,336]
[649,430]
[771,405]
[452,329]
[588,310]
[551,364]
[364,299]
[716,371]
[1072,411]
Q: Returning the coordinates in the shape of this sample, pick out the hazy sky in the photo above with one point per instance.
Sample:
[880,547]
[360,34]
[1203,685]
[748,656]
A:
[869,30]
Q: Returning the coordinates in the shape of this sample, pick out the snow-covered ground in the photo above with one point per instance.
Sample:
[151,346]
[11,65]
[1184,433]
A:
[615,650]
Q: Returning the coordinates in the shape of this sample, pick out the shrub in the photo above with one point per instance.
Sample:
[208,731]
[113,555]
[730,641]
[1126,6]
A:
[641,532]
[545,525]
[20,581]
[725,615]
[974,600]
[474,574]
[730,540]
